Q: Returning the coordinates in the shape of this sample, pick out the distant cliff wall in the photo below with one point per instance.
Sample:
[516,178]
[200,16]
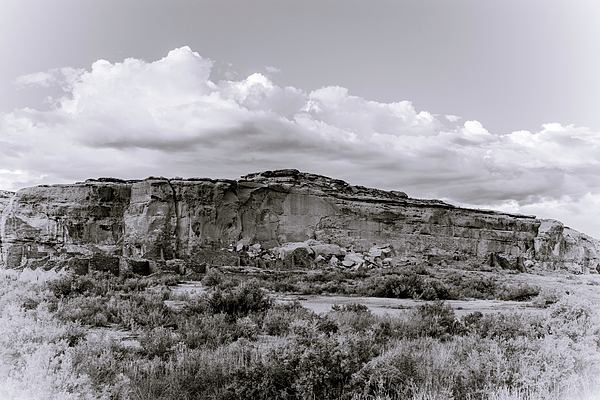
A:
[112,224]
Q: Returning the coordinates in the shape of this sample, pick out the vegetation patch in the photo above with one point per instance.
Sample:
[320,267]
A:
[59,339]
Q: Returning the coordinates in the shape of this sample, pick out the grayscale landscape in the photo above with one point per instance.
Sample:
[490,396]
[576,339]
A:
[299,200]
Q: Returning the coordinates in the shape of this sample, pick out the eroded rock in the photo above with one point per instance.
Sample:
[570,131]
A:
[259,220]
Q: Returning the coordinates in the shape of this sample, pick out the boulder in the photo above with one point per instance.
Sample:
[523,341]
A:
[299,258]
[334,261]
[353,259]
[327,250]
[289,248]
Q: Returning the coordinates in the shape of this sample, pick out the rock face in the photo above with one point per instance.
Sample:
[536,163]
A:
[261,219]
[5,197]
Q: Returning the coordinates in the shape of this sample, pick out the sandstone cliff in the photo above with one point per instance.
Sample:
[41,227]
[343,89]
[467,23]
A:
[270,219]
[5,197]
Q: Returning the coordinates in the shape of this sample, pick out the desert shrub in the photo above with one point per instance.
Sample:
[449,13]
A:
[420,269]
[86,310]
[352,317]
[436,320]
[464,368]
[505,325]
[98,283]
[100,360]
[210,331]
[459,286]
[196,373]
[327,325]
[520,292]
[239,301]
[436,290]
[332,287]
[62,286]
[392,286]
[577,319]
[313,366]
[547,297]
[213,278]
[157,342]
[278,318]
[282,286]
[95,283]
[555,367]
[143,309]
[351,307]
[477,287]
[26,295]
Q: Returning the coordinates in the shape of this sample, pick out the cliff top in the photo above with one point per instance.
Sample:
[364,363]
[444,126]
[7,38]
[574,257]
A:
[285,179]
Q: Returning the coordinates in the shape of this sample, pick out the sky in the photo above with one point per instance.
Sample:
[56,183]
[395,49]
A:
[484,104]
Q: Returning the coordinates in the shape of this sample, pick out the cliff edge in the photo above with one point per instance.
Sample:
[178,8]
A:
[282,218]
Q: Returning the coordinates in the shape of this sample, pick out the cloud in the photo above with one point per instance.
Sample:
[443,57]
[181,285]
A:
[66,77]
[135,119]
[272,70]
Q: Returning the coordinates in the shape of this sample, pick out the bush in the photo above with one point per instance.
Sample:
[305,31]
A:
[425,368]
[436,320]
[240,301]
[402,286]
[520,292]
[213,278]
[436,290]
[547,297]
[212,331]
[505,325]
[143,309]
[86,310]
[157,342]
[352,317]
[575,318]
[279,317]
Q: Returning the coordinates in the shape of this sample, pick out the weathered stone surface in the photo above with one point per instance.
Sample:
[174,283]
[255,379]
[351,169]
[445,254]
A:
[353,259]
[247,221]
[5,197]
[560,247]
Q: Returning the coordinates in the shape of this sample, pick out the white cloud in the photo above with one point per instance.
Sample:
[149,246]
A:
[66,77]
[272,70]
[136,118]
[36,79]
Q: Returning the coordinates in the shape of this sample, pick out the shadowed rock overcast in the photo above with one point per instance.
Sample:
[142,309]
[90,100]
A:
[481,105]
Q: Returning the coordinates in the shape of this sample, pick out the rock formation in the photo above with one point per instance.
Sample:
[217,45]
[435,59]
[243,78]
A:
[281,218]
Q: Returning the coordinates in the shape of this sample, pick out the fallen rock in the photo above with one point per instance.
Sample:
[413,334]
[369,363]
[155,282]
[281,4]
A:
[353,259]
[327,249]
[334,261]
[288,248]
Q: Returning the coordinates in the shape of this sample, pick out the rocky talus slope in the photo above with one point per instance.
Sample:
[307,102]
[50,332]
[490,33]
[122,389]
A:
[273,219]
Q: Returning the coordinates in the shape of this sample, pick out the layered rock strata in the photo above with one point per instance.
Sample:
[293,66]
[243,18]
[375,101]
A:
[177,223]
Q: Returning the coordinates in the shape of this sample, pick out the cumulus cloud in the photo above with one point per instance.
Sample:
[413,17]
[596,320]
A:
[135,118]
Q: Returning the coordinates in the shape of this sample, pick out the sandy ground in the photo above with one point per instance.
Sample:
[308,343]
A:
[381,306]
